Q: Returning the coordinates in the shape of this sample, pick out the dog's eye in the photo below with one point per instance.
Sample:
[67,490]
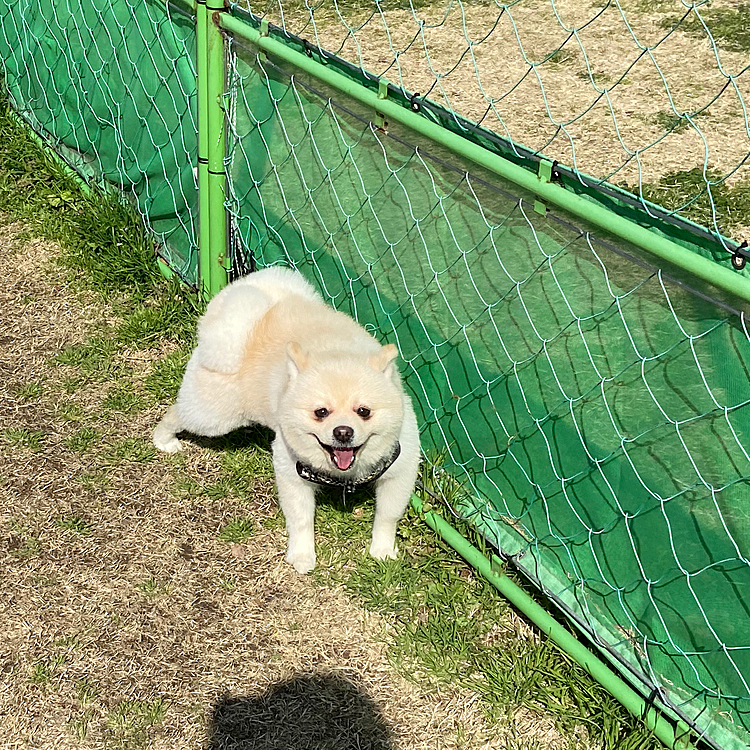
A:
[364,412]
[321,413]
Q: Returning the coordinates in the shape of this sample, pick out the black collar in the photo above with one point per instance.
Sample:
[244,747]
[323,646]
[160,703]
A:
[329,480]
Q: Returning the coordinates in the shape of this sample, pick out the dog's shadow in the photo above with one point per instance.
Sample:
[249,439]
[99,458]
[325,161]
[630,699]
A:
[307,712]
[257,436]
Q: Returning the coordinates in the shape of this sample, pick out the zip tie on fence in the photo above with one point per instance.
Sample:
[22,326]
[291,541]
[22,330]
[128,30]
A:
[381,122]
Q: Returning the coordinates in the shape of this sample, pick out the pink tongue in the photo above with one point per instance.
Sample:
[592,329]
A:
[343,457]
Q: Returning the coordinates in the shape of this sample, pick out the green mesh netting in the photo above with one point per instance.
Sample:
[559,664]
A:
[593,406]
[111,86]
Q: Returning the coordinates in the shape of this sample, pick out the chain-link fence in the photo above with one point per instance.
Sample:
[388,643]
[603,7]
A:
[111,87]
[651,96]
[580,357]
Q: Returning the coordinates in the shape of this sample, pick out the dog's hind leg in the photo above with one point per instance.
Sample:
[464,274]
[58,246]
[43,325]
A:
[165,433]
[207,405]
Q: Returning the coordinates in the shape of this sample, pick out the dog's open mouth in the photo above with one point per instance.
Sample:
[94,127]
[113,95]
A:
[343,458]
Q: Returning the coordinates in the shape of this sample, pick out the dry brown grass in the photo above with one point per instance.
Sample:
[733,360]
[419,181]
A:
[470,58]
[128,623]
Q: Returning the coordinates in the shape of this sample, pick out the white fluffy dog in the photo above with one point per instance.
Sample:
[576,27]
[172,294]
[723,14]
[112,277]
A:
[271,352]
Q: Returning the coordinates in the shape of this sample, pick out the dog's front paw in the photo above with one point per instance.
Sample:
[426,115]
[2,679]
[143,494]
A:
[302,562]
[384,550]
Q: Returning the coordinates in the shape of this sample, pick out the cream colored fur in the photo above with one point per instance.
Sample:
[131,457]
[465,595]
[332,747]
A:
[271,352]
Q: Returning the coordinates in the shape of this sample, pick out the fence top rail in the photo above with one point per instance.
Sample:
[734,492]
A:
[721,277]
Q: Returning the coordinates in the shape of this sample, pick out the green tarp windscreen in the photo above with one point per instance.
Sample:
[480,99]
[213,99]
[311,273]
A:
[111,86]
[593,408]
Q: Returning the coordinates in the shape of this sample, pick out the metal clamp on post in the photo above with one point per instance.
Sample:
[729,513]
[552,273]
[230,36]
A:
[380,122]
[740,255]
[547,173]
[262,56]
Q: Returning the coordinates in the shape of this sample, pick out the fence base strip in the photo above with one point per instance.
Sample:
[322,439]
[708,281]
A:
[51,153]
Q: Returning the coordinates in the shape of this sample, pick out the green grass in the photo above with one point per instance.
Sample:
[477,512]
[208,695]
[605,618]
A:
[124,398]
[86,691]
[83,440]
[93,359]
[684,191]
[79,726]
[72,641]
[44,671]
[133,450]
[228,584]
[69,411]
[95,481]
[730,27]
[30,391]
[563,56]
[152,587]
[22,437]
[600,79]
[164,380]
[160,317]
[246,467]
[238,530]
[24,547]
[248,461]
[130,722]
[670,122]
[75,524]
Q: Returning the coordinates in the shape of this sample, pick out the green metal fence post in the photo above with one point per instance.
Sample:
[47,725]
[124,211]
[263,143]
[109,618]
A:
[204,222]
[211,146]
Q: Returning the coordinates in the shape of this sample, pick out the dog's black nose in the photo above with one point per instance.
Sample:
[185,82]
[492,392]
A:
[343,433]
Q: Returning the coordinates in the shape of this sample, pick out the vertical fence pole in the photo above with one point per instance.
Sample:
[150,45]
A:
[204,221]
[213,256]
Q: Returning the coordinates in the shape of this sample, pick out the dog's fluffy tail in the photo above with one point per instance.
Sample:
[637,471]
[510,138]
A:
[231,315]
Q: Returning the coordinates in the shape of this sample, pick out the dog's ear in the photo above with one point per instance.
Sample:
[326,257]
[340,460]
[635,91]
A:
[298,359]
[383,361]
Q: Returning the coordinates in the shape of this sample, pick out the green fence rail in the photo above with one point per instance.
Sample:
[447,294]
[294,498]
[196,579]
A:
[580,357]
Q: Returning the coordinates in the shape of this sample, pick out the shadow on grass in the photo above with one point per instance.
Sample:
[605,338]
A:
[255,436]
[315,712]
